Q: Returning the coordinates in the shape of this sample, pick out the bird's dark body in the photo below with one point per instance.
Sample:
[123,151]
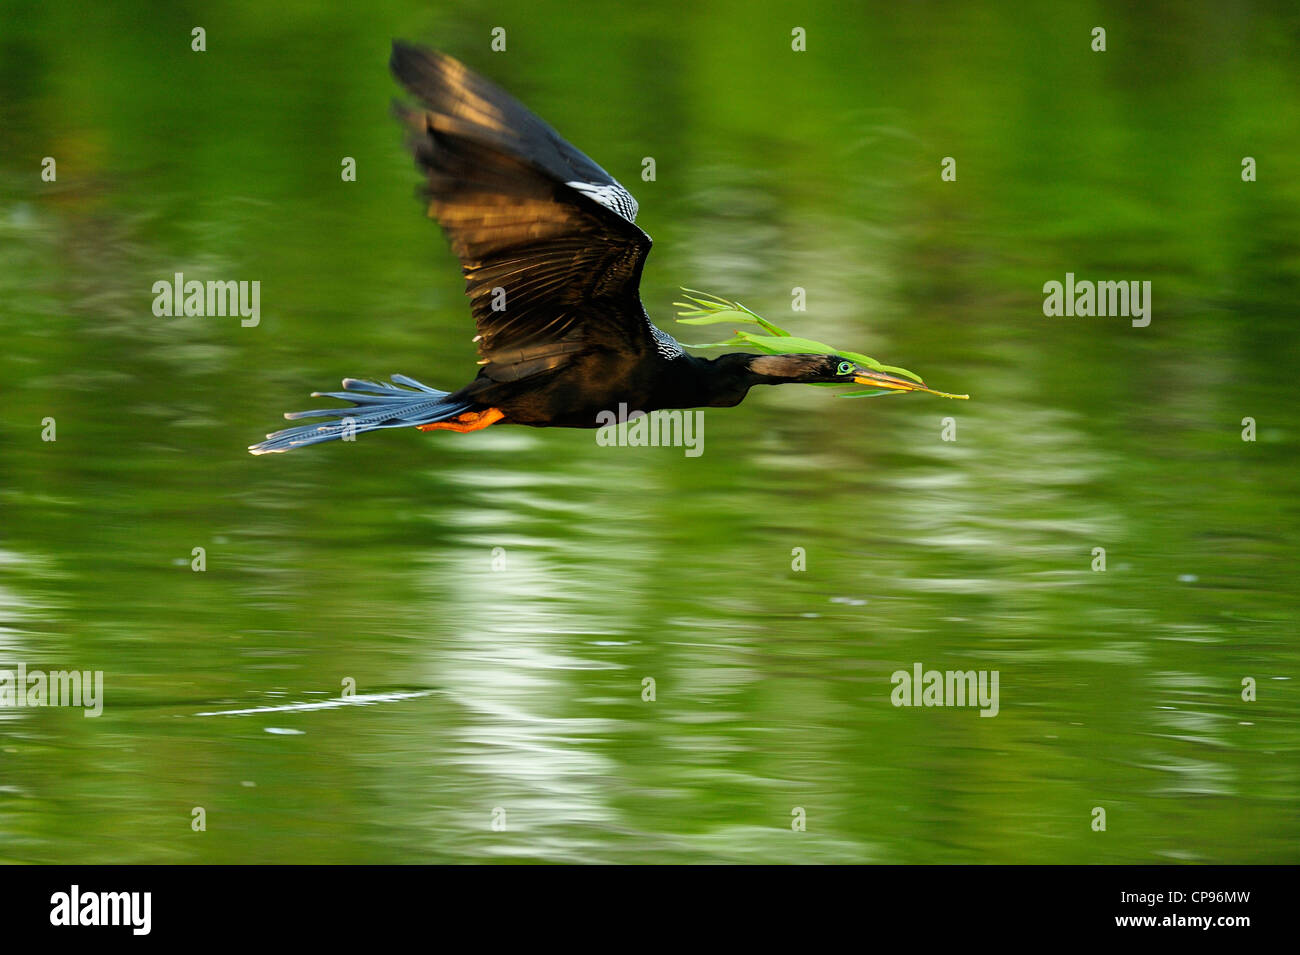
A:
[552,260]
[599,382]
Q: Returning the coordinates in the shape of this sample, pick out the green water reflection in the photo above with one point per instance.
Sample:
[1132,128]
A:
[373,562]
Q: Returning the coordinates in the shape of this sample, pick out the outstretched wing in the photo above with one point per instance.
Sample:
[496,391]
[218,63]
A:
[546,238]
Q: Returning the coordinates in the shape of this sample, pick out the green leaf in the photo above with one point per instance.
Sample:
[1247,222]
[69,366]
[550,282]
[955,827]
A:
[715,318]
[714,308]
[704,308]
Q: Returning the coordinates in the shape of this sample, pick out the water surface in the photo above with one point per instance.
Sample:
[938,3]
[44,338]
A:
[498,599]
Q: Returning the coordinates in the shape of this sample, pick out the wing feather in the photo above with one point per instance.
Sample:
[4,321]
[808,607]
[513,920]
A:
[546,239]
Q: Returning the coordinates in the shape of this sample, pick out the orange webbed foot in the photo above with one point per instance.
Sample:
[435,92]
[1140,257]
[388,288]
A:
[467,422]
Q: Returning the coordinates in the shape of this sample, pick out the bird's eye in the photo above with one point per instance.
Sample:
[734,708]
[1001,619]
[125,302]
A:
[846,368]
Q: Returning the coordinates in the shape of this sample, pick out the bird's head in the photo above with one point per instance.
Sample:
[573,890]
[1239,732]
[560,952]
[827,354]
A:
[824,370]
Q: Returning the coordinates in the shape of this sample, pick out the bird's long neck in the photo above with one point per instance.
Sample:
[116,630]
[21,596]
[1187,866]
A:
[713,383]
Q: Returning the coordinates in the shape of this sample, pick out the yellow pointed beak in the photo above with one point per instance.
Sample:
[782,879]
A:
[878,379]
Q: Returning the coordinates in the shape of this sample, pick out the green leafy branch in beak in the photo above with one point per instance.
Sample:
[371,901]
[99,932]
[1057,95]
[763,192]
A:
[702,308]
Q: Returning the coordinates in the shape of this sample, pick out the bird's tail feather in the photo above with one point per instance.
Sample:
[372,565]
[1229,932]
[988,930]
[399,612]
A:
[377,406]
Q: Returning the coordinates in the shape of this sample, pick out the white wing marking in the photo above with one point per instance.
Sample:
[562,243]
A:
[610,195]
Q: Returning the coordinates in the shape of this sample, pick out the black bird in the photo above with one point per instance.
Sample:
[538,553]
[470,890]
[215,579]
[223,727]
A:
[552,256]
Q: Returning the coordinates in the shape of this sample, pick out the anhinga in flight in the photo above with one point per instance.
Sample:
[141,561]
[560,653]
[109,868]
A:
[552,257]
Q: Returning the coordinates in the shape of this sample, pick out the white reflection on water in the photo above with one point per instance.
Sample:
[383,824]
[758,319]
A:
[18,614]
[364,699]
[508,656]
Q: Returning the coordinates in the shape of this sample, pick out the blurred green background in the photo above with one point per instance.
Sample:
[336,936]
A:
[372,561]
